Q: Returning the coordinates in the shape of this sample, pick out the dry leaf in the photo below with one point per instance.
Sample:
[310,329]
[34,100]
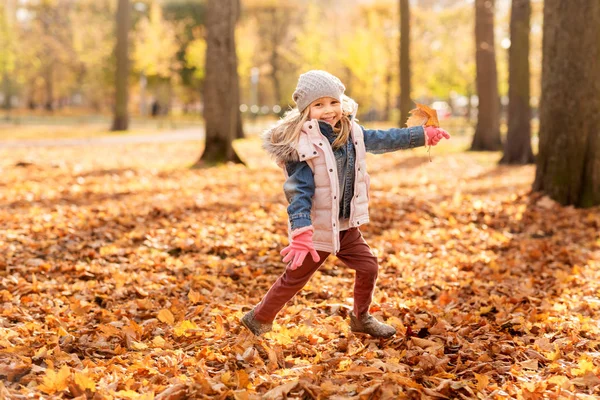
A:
[423,115]
[166,316]
[84,382]
[194,296]
[55,381]
[182,328]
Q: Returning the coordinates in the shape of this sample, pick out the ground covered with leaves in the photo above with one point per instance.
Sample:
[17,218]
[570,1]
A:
[124,274]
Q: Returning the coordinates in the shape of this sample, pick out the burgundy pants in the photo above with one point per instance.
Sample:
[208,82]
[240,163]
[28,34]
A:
[354,252]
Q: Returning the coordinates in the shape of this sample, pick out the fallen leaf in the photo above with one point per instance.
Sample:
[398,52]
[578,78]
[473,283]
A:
[166,316]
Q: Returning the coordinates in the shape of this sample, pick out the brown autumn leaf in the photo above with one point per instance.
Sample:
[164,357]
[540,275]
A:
[423,115]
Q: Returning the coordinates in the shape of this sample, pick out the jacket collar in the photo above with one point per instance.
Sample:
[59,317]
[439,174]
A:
[327,131]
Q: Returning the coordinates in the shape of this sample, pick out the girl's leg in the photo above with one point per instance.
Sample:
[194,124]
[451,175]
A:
[356,254]
[286,287]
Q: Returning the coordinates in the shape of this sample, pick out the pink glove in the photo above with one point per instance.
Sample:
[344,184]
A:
[434,135]
[301,245]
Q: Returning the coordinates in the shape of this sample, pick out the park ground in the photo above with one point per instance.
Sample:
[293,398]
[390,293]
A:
[124,273]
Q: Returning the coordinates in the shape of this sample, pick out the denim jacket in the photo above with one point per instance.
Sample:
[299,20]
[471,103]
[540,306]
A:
[299,188]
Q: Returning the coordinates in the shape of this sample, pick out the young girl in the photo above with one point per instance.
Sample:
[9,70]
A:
[322,152]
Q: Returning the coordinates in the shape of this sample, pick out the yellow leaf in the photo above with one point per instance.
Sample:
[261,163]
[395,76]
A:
[41,352]
[344,364]
[485,310]
[166,316]
[226,378]
[281,338]
[158,341]
[55,382]
[183,327]
[138,345]
[558,380]
[585,365]
[553,355]
[61,331]
[84,382]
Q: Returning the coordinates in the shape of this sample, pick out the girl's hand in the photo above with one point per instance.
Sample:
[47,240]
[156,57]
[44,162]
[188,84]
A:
[301,245]
[434,135]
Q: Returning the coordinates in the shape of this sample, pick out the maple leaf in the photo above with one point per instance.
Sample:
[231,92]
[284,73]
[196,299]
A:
[84,382]
[423,115]
[55,381]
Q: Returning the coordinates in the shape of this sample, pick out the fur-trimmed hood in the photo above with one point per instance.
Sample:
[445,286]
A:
[280,153]
[287,153]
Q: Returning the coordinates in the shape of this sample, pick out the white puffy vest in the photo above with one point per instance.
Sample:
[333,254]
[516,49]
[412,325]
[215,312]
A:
[314,148]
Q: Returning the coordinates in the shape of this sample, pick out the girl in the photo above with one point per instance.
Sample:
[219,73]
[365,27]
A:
[322,152]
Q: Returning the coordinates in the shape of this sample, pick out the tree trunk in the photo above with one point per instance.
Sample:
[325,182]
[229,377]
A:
[487,133]
[7,92]
[388,95]
[121,116]
[517,149]
[405,101]
[221,87]
[49,76]
[568,163]
[7,26]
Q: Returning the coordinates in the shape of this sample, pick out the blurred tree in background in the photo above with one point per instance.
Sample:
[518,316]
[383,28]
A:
[221,89]
[405,101]
[517,148]
[487,133]
[121,114]
[7,49]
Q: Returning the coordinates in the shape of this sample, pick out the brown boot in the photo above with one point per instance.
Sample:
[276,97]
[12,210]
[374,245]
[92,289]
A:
[256,327]
[366,323]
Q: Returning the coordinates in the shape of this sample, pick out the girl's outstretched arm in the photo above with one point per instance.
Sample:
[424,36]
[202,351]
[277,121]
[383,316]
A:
[378,141]
[299,189]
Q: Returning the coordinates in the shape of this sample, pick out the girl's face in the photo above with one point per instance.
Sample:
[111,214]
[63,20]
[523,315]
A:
[326,109]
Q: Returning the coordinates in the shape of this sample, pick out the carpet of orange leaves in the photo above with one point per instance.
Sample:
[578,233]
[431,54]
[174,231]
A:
[123,275]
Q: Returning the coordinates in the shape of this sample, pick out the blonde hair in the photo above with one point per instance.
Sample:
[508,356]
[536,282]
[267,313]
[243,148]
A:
[288,129]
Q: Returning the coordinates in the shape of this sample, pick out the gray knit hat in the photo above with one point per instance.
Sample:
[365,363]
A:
[315,84]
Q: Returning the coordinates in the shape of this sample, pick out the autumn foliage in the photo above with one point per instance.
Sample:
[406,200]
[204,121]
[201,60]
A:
[123,275]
